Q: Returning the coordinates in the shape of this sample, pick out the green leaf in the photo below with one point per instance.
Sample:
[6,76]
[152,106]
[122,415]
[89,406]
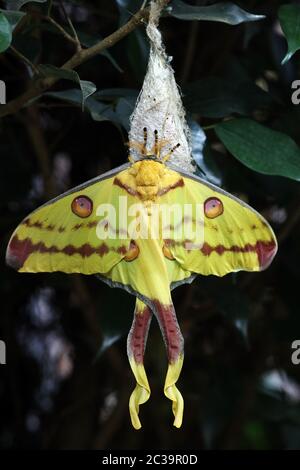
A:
[99,111]
[137,44]
[289,17]
[215,97]
[105,105]
[122,100]
[111,94]
[87,88]
[198,139]
[8,22]
[86,40]
[17,4]
[259,148]
[5,33]
[137,50]
[206,165]
[224,12]
[124,110]
[13,17]
[89,41]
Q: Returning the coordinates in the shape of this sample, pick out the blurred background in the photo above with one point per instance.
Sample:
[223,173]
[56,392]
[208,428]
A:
[67,381]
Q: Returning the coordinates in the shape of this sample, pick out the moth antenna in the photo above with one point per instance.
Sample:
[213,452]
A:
[166,157]
[174,148]
[156,151]
[144,148]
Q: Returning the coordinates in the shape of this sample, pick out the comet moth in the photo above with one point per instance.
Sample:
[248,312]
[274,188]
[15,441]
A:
[86,230]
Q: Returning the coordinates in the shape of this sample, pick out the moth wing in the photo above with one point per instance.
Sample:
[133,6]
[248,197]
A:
[54,238]
[238,238]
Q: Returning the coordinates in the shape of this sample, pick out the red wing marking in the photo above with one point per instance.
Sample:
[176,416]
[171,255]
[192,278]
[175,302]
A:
[36,224]
[138,334]
[77,226]
[127,188]
[265,250]
[178,184]
[92,223]
[51,227]
[133,192]
[170,329]
[20,250]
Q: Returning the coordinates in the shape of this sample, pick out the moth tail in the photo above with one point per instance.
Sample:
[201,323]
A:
[172,392]
[136,343]
[175,351]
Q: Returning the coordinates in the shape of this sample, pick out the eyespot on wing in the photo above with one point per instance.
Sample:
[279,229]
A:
[213,207]
[82,206]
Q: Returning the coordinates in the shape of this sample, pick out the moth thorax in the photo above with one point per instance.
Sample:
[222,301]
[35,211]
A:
[149,173]
[147,179]
[147,193]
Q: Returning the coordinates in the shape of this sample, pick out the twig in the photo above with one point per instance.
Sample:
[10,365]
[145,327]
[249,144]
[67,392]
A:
[50,5]
[42,84]
[76,39]
[61,30]
[25,59]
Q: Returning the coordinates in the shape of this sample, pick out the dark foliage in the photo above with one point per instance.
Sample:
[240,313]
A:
[67,382]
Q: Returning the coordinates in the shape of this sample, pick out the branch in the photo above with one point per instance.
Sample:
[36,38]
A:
[42,84]
[28,62]
[76,39]
[61,30]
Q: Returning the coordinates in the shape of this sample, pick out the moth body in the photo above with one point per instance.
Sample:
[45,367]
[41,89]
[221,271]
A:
[98,228]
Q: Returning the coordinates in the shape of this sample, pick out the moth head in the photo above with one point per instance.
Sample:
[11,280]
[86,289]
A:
[160,150]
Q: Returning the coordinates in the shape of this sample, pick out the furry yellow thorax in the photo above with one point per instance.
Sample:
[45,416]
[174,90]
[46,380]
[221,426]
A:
[148,175]
[150,178]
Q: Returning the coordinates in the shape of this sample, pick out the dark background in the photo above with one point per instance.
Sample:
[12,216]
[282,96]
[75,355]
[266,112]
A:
[67,381]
